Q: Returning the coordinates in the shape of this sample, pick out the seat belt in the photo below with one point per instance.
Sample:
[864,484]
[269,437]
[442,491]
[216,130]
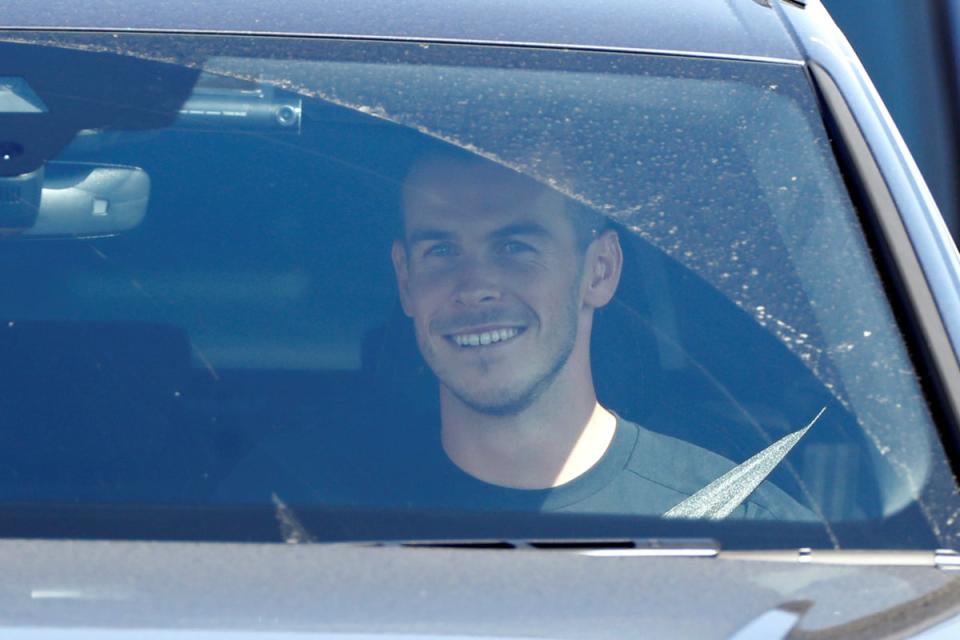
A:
[718,499]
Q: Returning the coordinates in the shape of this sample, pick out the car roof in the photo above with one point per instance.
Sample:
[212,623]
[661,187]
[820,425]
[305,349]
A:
[728,28]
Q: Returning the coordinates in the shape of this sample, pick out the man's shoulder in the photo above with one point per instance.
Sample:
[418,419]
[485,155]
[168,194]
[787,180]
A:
[676,464]
[686,468]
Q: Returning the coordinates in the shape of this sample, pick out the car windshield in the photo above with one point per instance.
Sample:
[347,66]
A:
[308,274]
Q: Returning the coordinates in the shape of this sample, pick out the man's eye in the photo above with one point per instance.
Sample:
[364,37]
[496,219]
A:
[514,247]
[440,250]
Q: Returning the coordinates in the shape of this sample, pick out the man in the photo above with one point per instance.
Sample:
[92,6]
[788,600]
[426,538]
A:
[501,278]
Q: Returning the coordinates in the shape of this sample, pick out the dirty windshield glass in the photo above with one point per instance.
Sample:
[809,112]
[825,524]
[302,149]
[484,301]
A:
[411,278]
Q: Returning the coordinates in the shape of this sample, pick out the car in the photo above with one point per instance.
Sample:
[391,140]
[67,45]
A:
[446,319]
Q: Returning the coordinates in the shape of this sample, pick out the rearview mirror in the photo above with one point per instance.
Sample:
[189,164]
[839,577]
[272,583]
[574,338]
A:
[73,199]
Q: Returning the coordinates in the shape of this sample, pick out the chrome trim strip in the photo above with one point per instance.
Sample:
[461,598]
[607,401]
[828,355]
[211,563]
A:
[417,40]
[652,553]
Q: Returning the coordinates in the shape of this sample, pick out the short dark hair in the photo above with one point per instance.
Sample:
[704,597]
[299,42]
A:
[587,223]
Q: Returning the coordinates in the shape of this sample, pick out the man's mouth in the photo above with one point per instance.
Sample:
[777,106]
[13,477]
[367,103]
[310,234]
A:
[485,338]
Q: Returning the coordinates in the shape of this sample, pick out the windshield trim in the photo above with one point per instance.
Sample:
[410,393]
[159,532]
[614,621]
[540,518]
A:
[532,44]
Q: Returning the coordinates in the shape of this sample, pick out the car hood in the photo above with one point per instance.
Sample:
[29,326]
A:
[392,591]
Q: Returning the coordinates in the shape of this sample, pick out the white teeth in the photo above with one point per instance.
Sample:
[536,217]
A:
[485,338]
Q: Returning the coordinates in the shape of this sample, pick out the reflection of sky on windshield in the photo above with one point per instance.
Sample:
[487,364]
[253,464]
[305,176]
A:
[718,166]
[726,176]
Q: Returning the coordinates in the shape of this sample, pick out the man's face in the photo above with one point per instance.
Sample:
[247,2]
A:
[490,272]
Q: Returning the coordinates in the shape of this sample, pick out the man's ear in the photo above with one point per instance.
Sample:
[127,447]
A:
[602,267]
[399,256]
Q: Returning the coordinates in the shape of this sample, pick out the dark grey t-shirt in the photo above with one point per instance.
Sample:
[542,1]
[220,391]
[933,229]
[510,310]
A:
[641,473]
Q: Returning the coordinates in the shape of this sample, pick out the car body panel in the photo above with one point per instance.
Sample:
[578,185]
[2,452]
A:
[436,592]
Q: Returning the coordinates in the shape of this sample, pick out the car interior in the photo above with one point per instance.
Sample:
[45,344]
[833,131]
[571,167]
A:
[255,302]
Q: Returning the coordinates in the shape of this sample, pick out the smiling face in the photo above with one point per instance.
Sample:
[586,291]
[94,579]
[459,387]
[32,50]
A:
[491,272]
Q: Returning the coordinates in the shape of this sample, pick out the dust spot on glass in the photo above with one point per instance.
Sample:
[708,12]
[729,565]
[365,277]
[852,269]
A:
[376,111]
[952,518]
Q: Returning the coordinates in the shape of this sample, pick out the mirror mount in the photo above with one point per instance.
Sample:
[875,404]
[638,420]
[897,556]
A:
[20,200]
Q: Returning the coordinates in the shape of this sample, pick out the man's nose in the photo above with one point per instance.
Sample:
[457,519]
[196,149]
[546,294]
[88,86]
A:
[476,284]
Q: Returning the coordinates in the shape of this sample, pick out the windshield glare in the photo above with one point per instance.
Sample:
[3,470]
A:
[448,279]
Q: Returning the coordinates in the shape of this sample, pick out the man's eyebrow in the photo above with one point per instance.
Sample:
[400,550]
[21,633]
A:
[428,235]
[515,229]
[521,229]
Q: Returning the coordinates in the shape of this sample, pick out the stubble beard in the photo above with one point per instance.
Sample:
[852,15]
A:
[501,402]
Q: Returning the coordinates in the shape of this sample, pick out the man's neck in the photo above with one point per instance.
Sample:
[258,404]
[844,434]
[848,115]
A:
[547,445]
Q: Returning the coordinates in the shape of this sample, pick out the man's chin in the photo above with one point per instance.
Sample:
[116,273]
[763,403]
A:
[495,402]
